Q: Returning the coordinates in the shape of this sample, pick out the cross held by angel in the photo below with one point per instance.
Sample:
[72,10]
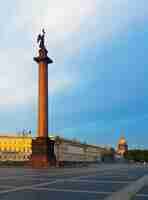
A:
[41,39]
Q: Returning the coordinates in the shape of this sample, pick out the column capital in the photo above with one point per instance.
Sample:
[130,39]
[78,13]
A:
[43,57]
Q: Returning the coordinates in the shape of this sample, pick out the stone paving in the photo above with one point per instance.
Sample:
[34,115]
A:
[64,184]
[142,194]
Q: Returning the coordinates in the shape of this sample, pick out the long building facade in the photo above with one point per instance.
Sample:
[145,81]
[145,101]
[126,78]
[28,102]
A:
[67,151]
[19,148]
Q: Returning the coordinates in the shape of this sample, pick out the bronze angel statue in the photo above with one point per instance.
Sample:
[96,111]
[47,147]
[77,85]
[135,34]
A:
[41,40]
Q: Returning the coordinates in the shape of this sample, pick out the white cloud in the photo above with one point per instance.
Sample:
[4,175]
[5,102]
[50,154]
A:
[71,25]
[58,85]
[63,18]
[19,80]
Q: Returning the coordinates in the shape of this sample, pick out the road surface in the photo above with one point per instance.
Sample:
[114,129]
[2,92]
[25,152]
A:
[93,183]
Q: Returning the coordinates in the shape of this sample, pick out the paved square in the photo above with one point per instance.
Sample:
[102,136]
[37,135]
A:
[84,183]
[142,194]
[46,195]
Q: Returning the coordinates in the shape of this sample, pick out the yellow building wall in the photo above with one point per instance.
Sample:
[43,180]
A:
[15,147]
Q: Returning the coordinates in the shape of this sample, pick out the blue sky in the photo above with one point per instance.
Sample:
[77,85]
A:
[98,85]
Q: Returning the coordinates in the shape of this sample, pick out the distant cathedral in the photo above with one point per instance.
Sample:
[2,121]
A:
[122,146]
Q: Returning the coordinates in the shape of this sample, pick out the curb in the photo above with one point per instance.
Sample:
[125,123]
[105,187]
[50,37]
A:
[129,192]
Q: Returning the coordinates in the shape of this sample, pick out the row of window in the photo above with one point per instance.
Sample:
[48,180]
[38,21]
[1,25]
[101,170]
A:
[15,142]
[16,150]
[15,157]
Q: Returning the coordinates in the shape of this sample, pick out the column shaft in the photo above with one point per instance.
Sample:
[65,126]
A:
[43,100]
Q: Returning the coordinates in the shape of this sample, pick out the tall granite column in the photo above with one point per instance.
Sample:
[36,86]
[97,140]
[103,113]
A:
[42,146]
[43,60]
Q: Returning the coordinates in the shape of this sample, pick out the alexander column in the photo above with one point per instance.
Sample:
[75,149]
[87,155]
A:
[42,146]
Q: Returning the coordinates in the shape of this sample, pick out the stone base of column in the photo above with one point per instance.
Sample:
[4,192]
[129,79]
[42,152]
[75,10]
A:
[42,153]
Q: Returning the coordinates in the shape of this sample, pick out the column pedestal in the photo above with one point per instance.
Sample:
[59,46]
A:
[42,152]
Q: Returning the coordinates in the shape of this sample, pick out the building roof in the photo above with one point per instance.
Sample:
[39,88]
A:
[122,141]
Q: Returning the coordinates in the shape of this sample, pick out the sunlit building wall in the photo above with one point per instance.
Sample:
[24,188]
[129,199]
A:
[15,148]
[122,147]
[74,151]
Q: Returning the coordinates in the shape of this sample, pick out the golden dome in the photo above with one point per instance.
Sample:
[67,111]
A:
[122,141]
